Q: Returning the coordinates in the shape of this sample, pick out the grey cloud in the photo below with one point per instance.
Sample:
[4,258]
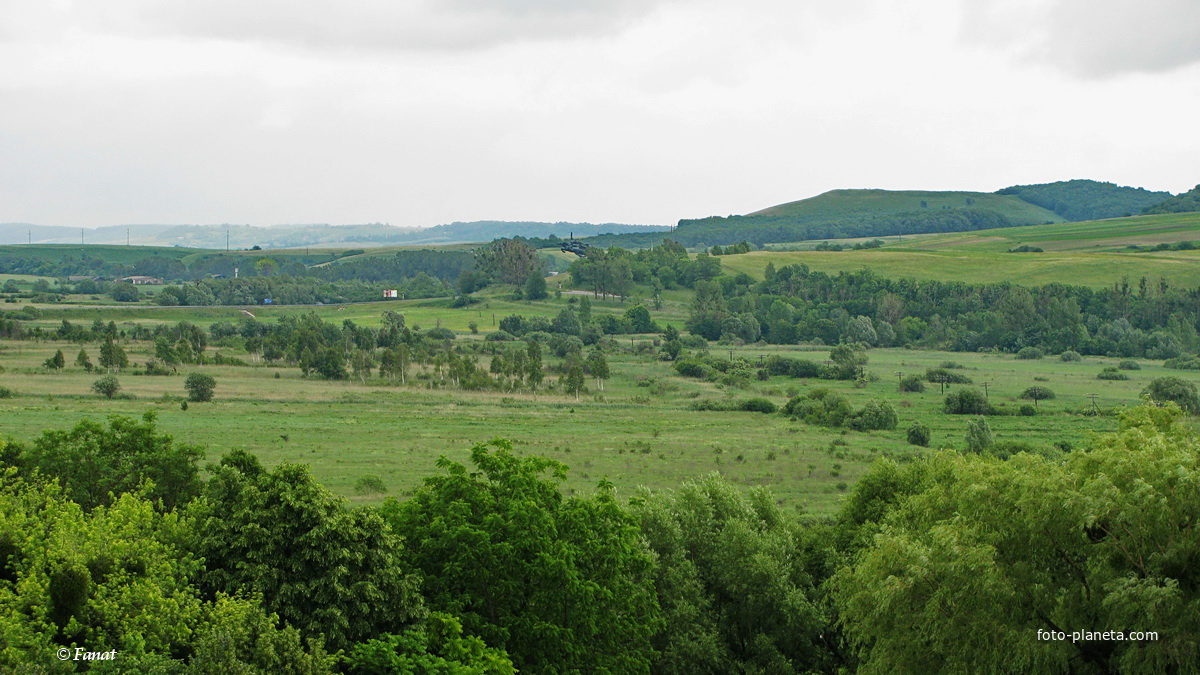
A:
[1093,38]
[367,24]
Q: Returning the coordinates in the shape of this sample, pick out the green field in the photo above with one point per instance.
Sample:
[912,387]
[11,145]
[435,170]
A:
[640,430]
[1091,254]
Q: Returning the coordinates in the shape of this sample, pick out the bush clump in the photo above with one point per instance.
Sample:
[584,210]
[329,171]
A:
[1185,362]
[912,384]
[1070,356]
[761,405]
[968,402]
[943,375]
[1129,365]
[918,434]
[822,407]
[1030,353]
[200,387]
[1174,389]
[692,368]
[874,415]
[1111,373]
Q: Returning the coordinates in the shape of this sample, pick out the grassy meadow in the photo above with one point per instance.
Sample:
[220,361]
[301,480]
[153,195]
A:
[640,430]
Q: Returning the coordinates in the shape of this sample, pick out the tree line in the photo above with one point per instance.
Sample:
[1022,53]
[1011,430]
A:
[795,304]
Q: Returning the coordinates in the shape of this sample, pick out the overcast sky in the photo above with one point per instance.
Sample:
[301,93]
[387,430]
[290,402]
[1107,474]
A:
[421,112]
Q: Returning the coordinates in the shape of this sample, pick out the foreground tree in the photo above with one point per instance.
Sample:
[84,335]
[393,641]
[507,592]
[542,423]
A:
[92,460]
[320,566]
[989,552]
[119,578]
[561,584]
[734,582]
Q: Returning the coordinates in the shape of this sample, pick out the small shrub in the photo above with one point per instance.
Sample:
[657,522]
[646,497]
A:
[951,365]
[761,405]
[874,415]
[5,392]
[692,368]
[912,384]
[1129,365]
[918,434]
[1070,356]
[1030,353]
[1027,410]
[1036,394]
[369,485]
[945,376]
[1111,373]
[979,435]
[107,386]
[967,402]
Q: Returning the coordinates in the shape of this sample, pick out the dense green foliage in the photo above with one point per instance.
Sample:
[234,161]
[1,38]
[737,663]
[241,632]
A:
[985,555]
[793,304]
[1181,203]
[562,584]
[93,461]
[325,569]
[1088,199]
[737,583]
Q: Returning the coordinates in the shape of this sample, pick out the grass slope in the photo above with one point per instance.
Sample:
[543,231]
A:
[838,204]
[1091,253]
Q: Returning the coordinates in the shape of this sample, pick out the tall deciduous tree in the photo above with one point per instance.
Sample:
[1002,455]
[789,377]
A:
[562,584]
[734,582]
[92,460]
[324,568]
[508,261]
[988,554]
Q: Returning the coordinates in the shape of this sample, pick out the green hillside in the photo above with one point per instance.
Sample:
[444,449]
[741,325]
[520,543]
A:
[1078,200]
[841,204]
[1095,254]
[841,214]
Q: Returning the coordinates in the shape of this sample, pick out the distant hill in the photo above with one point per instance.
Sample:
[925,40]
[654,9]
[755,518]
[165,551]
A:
[1079,200]
[291,236]
[487,230]
[842,214]
[1184,203]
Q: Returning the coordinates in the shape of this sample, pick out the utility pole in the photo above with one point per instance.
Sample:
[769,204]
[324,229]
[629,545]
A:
[985,389]
[899,380]
[127,236]
[81,236]
[1095,410]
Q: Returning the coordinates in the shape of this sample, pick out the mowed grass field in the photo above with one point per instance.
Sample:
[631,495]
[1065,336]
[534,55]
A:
[1094,254]
[639,431]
